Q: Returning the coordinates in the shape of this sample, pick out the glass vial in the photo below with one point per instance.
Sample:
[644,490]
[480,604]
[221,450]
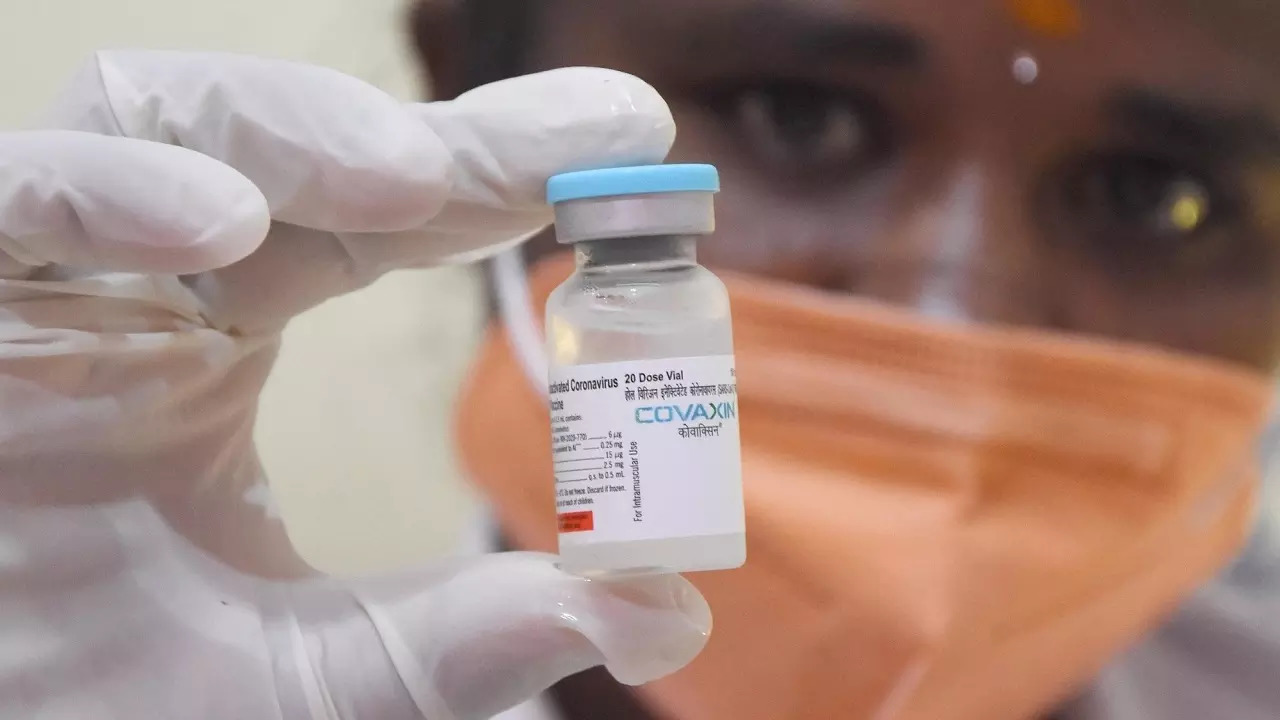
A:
[643,392]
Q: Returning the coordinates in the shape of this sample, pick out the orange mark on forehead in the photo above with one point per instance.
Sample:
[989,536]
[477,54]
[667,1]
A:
[1051,18]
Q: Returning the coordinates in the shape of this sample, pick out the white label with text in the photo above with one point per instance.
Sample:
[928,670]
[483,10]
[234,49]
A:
[646,449]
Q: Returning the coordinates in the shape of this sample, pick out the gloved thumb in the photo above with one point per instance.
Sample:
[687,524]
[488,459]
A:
[492,634]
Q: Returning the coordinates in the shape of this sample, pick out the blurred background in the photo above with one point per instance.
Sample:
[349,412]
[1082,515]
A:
[354,427]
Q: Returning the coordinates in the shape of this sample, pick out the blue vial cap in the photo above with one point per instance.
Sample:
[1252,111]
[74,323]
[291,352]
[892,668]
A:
[634,180]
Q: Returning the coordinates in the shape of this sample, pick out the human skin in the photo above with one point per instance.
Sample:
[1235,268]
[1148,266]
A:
[885,148]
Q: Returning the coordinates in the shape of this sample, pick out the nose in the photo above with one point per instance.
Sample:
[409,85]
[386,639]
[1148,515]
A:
[959,246]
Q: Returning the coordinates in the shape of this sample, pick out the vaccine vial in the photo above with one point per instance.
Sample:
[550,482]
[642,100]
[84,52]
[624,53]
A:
[642,386]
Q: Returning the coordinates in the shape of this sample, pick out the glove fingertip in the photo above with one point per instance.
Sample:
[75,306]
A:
[508,137]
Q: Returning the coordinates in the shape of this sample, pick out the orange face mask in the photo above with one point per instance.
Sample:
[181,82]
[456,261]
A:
[943,522]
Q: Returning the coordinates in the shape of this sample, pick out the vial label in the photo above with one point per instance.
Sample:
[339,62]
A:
[646,449]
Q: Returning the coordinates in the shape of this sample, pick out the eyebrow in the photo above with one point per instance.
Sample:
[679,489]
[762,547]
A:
[1193,127]
[797,35]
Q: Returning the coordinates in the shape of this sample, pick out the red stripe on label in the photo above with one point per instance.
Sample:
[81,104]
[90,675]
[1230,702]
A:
[577,521]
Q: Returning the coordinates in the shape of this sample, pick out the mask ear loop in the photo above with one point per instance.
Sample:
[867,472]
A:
[1267,452]
[515,307]
[1254,568]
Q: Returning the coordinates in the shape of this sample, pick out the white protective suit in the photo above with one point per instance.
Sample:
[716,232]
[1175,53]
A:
[176,211]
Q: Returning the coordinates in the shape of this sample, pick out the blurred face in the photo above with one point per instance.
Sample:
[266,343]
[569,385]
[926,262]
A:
[1117,178]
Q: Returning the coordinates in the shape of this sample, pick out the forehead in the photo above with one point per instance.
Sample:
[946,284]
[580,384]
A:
[1189,45]
[1059,18]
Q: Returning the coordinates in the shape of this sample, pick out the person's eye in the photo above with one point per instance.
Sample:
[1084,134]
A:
[1148,212]
[802,131]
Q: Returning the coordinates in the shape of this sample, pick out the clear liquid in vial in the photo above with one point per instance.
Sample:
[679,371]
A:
[640,312]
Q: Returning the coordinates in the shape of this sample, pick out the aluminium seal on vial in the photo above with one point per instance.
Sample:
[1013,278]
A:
[642,386]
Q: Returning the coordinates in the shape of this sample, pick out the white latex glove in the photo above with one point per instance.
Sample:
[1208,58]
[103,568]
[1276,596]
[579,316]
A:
[153,245]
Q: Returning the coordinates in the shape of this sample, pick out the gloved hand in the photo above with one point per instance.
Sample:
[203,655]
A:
[154,243]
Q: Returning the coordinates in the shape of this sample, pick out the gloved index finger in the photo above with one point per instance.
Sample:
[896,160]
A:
[328,151]
[109,203]
[507,138]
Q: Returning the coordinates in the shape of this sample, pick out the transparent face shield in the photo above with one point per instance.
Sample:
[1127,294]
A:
[1089,169]
[1011,256]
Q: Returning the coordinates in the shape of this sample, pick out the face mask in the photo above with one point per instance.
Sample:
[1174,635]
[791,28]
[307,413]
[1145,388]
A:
[943,522]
